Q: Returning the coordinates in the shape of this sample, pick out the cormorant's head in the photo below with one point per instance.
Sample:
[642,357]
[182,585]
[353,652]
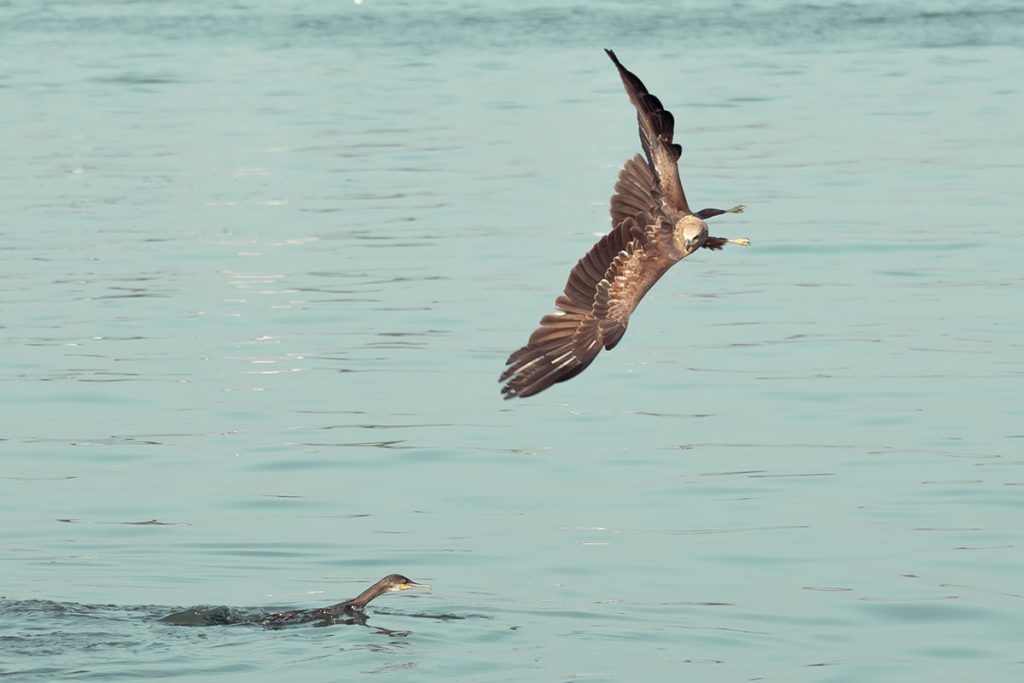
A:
[397,582]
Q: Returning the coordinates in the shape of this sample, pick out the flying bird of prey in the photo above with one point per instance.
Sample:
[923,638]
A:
[653,228]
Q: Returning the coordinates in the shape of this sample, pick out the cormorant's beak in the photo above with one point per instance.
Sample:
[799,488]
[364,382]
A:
[413,584]
[742,241]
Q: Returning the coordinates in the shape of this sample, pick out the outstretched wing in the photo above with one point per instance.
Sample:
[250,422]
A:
[603,289]
[657,126]
[636,192]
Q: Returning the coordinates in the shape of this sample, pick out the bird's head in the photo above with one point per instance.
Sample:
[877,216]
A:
[691,232]
[397,582]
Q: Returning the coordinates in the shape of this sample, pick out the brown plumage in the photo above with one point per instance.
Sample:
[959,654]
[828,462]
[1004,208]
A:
[652,229]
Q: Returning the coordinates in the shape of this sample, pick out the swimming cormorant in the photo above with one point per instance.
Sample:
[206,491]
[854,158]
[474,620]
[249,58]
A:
[389,584]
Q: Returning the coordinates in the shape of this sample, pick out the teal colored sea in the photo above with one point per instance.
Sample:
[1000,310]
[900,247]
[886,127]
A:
[263,263]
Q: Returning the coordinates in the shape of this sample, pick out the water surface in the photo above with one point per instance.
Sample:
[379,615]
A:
[263,265]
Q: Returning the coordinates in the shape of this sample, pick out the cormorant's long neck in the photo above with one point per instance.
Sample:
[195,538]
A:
[361,600]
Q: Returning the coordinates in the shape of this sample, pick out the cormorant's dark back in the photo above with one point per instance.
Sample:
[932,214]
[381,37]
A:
[652,229]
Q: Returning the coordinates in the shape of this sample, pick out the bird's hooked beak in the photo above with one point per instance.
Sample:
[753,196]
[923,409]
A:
[742,241]
[413,584]
[693,243]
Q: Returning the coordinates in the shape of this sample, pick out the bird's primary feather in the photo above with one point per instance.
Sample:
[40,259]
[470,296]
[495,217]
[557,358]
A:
[657,128]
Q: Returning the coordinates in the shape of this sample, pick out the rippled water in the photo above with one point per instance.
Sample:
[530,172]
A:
[263,263]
